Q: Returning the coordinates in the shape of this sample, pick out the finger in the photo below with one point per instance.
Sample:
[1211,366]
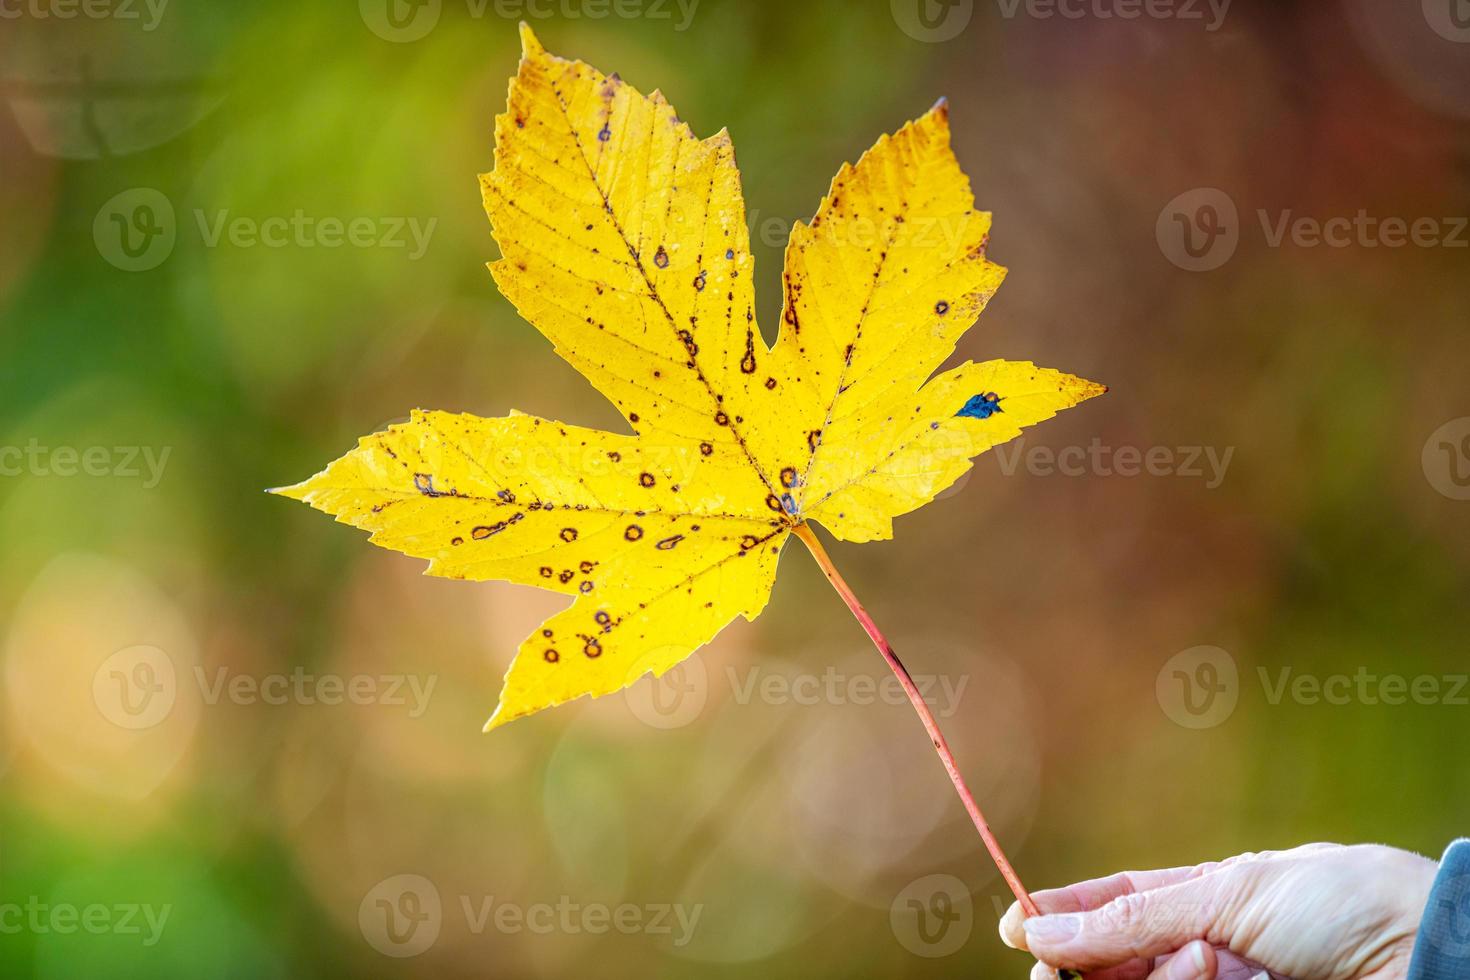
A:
[1195,961]
[1132,970]
[1088,895]
[1138,925]
[1232,967]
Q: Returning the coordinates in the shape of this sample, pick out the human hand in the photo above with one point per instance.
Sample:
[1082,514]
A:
[1318,912]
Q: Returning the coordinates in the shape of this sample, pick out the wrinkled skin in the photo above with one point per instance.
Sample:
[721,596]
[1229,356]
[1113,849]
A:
[1318,912]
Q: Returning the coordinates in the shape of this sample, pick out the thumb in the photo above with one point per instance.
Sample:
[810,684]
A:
[1197,961]
[1140,925]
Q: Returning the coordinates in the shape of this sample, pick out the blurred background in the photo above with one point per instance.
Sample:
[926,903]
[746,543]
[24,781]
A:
[1223,608]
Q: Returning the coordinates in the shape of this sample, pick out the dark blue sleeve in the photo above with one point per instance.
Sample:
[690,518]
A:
[1442,951]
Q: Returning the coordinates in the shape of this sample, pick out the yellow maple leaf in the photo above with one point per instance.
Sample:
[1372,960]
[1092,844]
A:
[624,241]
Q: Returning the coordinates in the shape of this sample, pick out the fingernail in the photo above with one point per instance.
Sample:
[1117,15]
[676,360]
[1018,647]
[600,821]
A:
[1053,928]
[1188,963]
[1008,923]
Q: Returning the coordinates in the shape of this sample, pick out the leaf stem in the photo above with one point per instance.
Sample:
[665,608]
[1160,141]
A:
[809,538]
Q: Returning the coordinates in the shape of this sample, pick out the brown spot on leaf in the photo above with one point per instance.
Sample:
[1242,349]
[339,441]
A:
[747,363]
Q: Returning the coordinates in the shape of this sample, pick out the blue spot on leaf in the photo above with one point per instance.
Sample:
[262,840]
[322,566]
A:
[981,406]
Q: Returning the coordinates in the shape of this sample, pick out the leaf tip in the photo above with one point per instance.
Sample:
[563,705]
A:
[297,491]
[530,46]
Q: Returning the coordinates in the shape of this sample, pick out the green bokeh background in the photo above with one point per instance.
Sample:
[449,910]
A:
[1334,542]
